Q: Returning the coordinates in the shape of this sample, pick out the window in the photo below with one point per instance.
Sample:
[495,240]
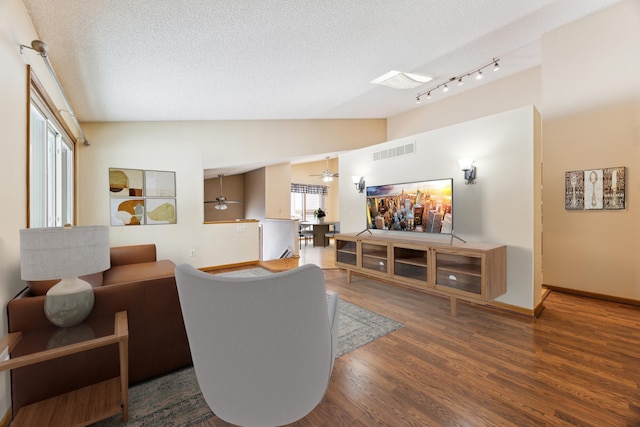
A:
[305,199]
[51,163]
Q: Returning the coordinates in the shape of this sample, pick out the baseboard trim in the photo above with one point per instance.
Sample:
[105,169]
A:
[604,297]
[516,309]
[6,420]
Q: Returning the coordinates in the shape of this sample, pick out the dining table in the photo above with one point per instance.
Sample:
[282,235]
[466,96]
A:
[320,229]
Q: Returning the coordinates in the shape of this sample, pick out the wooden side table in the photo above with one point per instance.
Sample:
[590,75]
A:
[78,407]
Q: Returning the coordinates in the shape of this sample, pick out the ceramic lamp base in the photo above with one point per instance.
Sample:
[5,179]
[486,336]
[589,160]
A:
[69,302]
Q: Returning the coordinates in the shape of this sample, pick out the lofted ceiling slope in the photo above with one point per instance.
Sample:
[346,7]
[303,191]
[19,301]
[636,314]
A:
[149,60]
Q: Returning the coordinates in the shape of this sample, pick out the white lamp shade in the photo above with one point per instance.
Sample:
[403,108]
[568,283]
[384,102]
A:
[59,252]
[466,163]
[355,179]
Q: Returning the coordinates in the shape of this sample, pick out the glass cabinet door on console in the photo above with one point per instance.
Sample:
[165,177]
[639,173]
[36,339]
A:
[375,257]
[459,272]
[411,263]
[346,252]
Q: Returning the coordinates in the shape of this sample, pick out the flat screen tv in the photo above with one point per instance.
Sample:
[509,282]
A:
[414,207]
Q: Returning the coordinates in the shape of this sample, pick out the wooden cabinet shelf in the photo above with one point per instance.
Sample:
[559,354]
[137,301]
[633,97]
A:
[410,264]
[469,271]
[346,252]
[374,257]
[85,405]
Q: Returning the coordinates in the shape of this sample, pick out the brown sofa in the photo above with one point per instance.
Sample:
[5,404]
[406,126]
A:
[137,283]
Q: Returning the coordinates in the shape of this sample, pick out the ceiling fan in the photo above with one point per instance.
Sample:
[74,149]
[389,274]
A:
[221,201]
[327,175]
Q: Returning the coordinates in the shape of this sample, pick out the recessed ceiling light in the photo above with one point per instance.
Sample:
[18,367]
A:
[400,80]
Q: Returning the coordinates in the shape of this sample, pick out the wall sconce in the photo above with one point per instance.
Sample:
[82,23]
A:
[359,183]
[469,170]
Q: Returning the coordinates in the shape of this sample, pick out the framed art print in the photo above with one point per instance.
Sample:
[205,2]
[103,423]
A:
[142,197]
[574,190]
[160,211]
[159,184]
[613,182]
[593,187]
[126,182]
[127,211]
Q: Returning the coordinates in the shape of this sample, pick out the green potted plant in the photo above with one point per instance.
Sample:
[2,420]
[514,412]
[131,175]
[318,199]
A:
[319,214]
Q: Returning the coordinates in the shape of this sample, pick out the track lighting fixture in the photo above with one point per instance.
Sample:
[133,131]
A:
[478,71]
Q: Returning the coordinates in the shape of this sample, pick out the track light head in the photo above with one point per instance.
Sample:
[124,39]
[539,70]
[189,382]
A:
[496,66]
[445,88]
[479,76]
[460,82]
[40,47]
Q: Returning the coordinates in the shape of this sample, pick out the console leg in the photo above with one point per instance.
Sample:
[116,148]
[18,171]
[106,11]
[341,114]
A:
[454,305]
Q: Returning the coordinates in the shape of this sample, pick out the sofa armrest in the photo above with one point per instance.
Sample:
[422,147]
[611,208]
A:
[133,254]
[26,312]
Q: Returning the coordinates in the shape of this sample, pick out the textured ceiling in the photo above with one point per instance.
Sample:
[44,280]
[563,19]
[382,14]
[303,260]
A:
[276,59]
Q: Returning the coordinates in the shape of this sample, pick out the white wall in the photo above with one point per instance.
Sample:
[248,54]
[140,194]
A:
[278,235]
[188,148]
[593,62]
[499,208]
[256,205]
[592,121]
[15,29]
[278,190]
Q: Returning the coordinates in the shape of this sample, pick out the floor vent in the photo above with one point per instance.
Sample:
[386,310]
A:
[400,150]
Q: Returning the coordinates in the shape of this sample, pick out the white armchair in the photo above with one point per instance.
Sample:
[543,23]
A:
[262,347]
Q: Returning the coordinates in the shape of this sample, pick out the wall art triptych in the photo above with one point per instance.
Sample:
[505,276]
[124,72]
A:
[594,189]
[140,197]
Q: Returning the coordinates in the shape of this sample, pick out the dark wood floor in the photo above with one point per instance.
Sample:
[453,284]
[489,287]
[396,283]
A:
[578,364]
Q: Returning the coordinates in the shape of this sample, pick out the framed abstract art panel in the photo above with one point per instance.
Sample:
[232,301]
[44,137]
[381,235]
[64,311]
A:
[159,183]
[160,211]
[128,211]
[126,182]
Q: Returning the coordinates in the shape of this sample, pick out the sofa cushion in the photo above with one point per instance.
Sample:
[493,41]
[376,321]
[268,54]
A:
[144,271]
[134,254]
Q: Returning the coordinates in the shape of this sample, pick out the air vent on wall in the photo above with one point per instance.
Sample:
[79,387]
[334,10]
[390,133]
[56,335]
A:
[400,150]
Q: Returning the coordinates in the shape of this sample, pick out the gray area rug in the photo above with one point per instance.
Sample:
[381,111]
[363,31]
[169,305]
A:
[247,272]
[175,400]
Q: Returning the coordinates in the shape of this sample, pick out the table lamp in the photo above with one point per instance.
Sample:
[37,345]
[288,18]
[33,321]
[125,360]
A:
[65,253]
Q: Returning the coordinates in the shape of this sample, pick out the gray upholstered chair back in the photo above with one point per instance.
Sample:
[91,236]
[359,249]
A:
[262,347]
